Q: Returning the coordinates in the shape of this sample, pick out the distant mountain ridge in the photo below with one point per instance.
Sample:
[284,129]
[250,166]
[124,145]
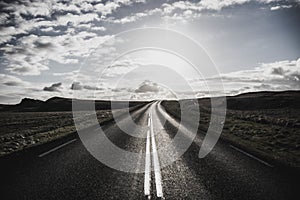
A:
[59,104]
[245,101]
[264,100]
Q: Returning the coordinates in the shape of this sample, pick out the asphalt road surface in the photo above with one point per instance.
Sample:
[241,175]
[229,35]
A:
[65,169]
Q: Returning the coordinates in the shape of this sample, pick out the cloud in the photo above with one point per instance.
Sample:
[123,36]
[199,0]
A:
[111,6]
[220,4]
[74,20]
[277,71]
[281,75]
[106,8]
[286,70]
[148,86]
[9,80]
[7,33]
[42,44]
[62,8]
[89,87]
[32,34]
[32,8]
[76,86]
[32,53]
[263,87]
[23,67]
[184,11]
[68,32]
[280,7]
[38,37]
[119,68]
[146,90]
[79,86]
[135,16]
[55,87]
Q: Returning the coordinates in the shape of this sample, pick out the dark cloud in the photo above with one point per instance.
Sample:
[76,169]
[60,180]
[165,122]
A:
[21,69]
[15,50]
[288,70]
[42,44]
[78,86]
[278,71]
[53,88]
[12,83]
[9,80]
[88,87]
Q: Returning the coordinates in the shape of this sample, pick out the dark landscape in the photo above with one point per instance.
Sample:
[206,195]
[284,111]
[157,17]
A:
[34,122]
[42,156]
[265,123]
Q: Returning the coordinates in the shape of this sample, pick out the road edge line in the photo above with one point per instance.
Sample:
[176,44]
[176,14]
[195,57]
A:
[251,156]
[56,148]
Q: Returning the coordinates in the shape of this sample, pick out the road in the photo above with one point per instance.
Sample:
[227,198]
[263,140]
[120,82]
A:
[64,169]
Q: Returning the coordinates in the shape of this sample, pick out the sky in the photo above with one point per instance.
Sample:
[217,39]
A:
[73,48]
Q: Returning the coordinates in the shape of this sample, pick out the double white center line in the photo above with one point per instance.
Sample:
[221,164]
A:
[155,160]
[147,165]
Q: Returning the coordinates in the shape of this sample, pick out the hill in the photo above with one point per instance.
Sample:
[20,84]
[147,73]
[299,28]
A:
[56,104]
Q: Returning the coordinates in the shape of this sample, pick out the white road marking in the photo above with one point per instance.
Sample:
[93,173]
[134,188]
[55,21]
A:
[156,165]
[56,148]
[147,166]
[149,120]
[251,156]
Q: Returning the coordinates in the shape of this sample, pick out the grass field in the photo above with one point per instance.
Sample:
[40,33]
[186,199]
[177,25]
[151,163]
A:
[270,133]
[19,130]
